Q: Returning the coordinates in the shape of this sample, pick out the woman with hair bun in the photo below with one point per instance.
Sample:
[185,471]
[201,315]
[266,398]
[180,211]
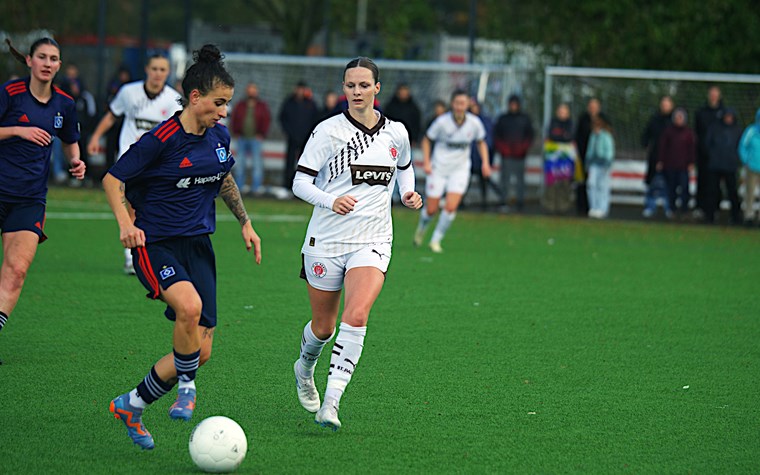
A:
[171,176]
[32,112]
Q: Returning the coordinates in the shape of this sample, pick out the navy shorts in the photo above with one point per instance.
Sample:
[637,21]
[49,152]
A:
[161,264]
[24,216]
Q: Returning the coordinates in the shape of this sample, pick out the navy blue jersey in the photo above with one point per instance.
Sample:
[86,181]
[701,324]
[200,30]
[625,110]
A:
[24,165]
[172,178]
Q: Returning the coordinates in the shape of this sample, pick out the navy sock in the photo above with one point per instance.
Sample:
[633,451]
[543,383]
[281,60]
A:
[3,319]
[152,387]
[186,365]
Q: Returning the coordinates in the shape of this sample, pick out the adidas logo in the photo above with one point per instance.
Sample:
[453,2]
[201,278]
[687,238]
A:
[186,163]
[24,118]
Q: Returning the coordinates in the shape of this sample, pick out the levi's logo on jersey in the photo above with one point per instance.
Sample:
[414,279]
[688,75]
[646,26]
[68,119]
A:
[371,175]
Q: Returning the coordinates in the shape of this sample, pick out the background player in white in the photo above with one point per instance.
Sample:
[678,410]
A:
[144,104]
[348,172]
[453,134]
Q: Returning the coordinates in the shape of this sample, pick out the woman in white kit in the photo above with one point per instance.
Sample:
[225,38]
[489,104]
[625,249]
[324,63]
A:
[347,171]
[449,168]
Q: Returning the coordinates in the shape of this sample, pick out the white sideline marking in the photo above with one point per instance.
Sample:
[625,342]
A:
[269,218]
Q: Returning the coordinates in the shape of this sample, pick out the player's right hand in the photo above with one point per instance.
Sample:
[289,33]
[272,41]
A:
[131,236]
[93,147]
[35,135]
[344,204]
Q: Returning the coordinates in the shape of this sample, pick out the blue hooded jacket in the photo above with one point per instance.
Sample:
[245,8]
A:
[749,145]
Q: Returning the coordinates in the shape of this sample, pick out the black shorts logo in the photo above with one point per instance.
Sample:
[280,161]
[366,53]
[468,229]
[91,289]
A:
[371,175]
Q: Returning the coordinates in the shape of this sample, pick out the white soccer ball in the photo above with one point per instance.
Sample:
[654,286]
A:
[218,445]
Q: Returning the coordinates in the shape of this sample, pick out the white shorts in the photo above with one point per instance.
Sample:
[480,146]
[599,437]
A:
[450,180]
[327,273]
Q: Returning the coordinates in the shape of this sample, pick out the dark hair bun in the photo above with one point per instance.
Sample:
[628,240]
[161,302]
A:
[207,54]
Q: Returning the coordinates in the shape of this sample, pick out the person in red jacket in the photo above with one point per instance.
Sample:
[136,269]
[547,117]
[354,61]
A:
[676,154]
[513,136]
[249,126]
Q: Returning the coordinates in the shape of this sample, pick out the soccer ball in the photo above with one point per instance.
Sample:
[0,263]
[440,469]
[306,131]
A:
[218,445]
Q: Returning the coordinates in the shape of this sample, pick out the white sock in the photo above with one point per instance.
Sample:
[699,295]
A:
[128,256]
[443,225]
[311,348]
[345,356]
[425,219]
[136,401]
[186,384]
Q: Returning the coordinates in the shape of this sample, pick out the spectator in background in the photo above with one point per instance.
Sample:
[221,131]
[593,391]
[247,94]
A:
[439,108]
[561,125]
[676,154]
[749,153]
[723,150]
[475,159]
[513,136]
[402,108]
[86,107]
[708,115]
[600,153]
[249,126]
[654,180]
[329,103]
[297,117]
[560,162]
[582,134]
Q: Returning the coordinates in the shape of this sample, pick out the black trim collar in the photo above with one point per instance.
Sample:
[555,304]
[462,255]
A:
[362,127]
[149,94]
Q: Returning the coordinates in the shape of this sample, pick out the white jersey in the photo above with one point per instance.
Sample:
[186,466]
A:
[141,113]
[453,141]
[346,158]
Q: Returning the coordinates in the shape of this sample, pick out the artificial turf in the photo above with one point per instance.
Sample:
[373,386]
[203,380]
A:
[532,345]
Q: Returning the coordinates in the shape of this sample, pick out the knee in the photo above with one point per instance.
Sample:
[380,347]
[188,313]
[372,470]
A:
[16,273]
[189,311]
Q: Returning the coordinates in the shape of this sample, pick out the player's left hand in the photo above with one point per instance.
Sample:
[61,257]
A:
[486,170]
[77,169]
[252,240]
[412,199]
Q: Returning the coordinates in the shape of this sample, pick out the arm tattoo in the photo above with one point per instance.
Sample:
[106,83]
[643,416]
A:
[208,332]
[231,196]
[123,195]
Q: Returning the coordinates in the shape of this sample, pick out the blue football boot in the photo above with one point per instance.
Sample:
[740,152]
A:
[184,405]
[132,417]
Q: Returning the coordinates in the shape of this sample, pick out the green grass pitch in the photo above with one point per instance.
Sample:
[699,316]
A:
[532,345]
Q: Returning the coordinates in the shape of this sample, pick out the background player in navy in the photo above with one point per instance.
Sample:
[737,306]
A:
[32,112]
[171,177]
